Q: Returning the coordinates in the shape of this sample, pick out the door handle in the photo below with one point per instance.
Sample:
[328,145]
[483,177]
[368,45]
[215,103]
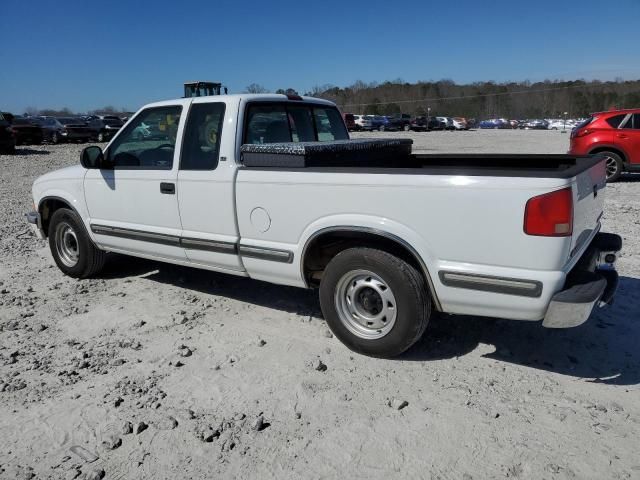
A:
[620,135]
[168,188]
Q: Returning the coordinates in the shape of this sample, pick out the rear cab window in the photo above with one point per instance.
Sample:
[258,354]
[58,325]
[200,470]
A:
[292,122]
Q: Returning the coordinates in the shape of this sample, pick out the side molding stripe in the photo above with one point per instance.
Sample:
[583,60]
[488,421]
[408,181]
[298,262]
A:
[283,256]
[271,254]
[488,283]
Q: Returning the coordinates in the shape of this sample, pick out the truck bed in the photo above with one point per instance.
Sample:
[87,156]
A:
[392,156]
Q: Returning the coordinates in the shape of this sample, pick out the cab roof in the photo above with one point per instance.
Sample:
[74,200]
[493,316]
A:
[259,97]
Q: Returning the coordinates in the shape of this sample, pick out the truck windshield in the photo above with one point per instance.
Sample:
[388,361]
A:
[284,123]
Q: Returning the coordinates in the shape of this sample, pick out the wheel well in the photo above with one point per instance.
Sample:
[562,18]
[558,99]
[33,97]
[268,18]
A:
[321,249]
[46,209]
[612,150]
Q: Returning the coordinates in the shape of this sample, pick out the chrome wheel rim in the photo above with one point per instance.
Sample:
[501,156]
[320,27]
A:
[365,304]
[612,167]
[67,244]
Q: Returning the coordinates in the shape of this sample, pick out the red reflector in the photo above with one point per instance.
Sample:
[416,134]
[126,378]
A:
[550,215]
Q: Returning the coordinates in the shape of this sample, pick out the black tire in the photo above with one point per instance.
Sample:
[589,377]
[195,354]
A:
[614,166]
[406,286]
[54,138]
[65,223]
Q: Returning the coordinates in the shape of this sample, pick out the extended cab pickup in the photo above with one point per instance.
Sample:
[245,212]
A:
[270,187]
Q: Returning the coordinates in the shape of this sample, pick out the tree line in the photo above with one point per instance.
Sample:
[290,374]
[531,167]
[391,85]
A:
[66,112]
[515,100]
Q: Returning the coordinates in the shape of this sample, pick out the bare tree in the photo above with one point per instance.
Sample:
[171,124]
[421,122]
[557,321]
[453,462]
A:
[255,88]
[31,112]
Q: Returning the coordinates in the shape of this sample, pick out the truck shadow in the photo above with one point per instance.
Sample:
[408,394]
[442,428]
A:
[603,350]
[30,151]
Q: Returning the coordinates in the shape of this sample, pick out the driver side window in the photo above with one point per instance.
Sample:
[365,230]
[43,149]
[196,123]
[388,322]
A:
[149,141]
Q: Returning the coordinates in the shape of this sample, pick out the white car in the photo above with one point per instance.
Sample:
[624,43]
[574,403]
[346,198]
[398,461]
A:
[364,122]
[459,125]
[447,121]
[561,124]
[385,235]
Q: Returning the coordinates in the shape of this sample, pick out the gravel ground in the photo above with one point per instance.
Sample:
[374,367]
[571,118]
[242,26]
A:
[156,371]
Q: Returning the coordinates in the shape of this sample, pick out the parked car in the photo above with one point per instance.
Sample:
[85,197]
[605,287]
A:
[381,261]
[447,122]
[104,127]
[350,121]
[26,132]
[7,137]
[614,135]
[460,123]
[400,122]
[64,129]
[363,122]
[378,122]
[424,124]
[535,124]
[495,123]
[560,124]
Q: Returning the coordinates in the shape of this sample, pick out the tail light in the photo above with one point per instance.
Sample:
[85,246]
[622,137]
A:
[581,132]
[550,215]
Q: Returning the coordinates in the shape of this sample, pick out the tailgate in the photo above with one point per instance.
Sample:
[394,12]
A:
[588,201]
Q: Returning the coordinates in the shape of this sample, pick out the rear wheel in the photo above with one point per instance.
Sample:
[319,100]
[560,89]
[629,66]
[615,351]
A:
[100,137]
[374,302]
[614,165]
[407,128]
[55,138]
[72,249]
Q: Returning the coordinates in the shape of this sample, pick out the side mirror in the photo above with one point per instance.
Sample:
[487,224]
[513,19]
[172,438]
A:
[92,157]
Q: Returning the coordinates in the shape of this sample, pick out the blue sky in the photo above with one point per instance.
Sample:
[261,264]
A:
[88,54]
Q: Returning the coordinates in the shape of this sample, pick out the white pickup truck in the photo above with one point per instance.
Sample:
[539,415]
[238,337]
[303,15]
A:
[270,187]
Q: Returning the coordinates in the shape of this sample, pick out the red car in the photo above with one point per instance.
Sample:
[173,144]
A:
[614,134]
[350,121]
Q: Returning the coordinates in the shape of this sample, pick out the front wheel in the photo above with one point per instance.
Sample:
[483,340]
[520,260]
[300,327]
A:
[72,249]
[101,137]
[374,302]
[407,128]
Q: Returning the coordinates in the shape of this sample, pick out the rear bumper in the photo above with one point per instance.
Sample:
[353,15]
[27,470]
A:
[593,281]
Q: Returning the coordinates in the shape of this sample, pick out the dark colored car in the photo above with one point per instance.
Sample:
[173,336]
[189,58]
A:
[26,132]
[402,122]
[64,129]
[7,139]
[424,124]
[534,125]
[494,123]
[104,127]
[614,134]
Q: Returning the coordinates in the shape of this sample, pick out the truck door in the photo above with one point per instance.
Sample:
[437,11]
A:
[133,206]
[206,185]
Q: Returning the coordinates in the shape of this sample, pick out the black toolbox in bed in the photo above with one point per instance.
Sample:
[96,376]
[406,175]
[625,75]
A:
[339,153]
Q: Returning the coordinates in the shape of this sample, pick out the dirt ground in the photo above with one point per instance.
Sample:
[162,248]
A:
[156,371]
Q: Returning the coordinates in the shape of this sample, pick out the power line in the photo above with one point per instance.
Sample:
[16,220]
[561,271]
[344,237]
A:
[464,97]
